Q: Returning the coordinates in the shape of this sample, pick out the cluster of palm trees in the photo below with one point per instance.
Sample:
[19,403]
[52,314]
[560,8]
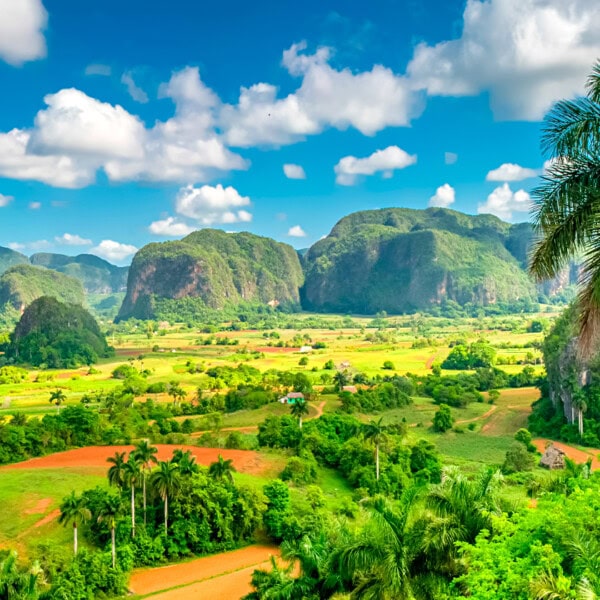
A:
[139,470]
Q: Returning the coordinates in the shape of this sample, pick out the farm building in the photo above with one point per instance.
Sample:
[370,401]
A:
[553,458]
[292,398]
[349,388]
[305,349]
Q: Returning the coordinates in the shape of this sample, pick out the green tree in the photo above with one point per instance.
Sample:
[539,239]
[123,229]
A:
[109,513]
[568,201]
[17,583]
[176,392]
[299,409]
[116,472]
[443,419]
[145,454]
[74,510]
[341,378]
[186,462]
[166,481]
[375,431]
[57,397]
[222,469]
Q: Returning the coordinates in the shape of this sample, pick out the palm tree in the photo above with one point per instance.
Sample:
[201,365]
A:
[116,472]
[567,204]
[165,480]
[176,392]
[375,430]
[222,469]
[341,379]
[18,583]
[57,397]
[186,462]
[73,510]
[145,454]
[131,475]
[109,514]
[299,409]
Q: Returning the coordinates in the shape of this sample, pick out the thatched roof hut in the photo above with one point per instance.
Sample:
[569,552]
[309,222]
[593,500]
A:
[553,458]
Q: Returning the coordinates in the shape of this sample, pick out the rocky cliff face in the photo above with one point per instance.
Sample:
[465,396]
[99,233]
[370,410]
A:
[401,260]
[216,267]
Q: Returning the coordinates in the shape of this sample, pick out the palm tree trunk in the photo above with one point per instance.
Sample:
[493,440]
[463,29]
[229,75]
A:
[580,422]
[377,461]
[144,492]
[114,547]
[75,538]
[132,510]
[166,512]
[300,422]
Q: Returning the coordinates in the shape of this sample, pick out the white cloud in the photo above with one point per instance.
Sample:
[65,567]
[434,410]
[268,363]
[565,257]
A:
[170,227]
[296,231]
[525,53]
[444,196]
[209,205]
[35,246]
[450,158]
[368,101]
[5,200]
[35,205]
[503,202]
[16,246]
[135,91]
[70,239]
[511,172]
[98,69]
[113,251]
[294,171]
[391,158]
[21,25]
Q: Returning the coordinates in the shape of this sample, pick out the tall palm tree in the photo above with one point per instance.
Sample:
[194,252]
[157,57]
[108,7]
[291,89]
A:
[145,454]
[57,397]
[73,510]
[132,474]
[341,378]
[109,514]
[165,480]
[567,204]
[375,430]
[186,462]
[176,392]
[222,469]
[116,472]
[299,409]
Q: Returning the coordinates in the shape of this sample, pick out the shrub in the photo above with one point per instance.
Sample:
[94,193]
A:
[443,419]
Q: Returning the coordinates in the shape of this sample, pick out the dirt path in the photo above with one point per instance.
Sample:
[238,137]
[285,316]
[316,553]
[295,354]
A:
[479,418]
[245,461]
[579,456]
[223,576]
[319,412]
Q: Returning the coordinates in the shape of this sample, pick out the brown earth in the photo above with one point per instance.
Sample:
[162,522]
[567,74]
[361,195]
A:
[40,507]
[579,456]
[274,350]
[223,576]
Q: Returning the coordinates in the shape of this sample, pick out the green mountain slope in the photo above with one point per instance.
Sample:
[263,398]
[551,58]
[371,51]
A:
[216,267]
[9,258]
[402,259]
[96,275]
[22,284]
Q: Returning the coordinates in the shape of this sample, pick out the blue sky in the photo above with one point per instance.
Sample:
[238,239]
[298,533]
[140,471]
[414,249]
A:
[139,121]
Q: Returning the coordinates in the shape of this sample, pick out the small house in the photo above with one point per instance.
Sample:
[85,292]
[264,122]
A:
[343,366]
[292,398]
[349,388]
[305,349]
[553,458]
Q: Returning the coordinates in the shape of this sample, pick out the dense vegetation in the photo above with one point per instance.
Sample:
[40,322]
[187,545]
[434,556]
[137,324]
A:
[53,334]
[10,258]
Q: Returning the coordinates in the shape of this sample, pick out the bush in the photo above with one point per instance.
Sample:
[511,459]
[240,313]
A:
[301,470]
[388,365]
[518,459]
[443,419]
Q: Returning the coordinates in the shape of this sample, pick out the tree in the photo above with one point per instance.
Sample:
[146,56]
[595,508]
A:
[493,396]
[388,365]
[341,378]
[145,454]
[57,397]
[567,203]
[375,430]
[222,469]
[73,510]
[299,409]
[186,462]
[18,583]
[132,473]
[443,419]
[109,513]
[165,480]
[116,472]
[176,392]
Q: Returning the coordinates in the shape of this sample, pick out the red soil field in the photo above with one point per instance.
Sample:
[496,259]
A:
[579,456]
[245,461]
[223,576]
[275,350]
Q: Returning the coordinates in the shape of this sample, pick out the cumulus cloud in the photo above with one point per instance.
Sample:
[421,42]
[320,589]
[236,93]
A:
[212,204]
[368,101]
[113,251]
[70,239]
[22,23]
[526,53]
[503,202]
[450,158]
[98,69]
[296,231]
[511,172]
[170,227]
[35,205]
[34,246]
[294,171]
[444,196]
[386,161]
[134,90]
[5,200]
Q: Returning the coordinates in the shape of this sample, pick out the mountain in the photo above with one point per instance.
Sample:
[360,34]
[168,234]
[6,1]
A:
[215,267]
[22,284]
[96,275]
[399,260]
[9,258]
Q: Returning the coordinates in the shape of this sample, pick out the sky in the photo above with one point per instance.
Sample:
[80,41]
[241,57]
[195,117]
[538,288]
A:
[124,123]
